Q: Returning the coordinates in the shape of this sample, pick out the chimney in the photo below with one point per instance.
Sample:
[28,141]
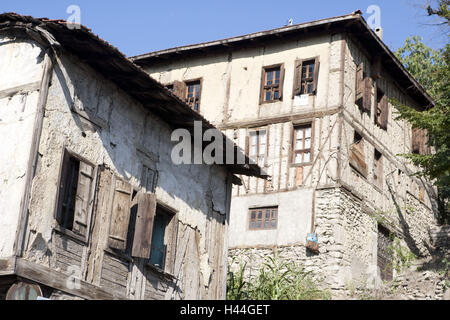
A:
[379,32]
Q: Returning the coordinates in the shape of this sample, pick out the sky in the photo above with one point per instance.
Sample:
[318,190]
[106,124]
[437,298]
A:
[137,27]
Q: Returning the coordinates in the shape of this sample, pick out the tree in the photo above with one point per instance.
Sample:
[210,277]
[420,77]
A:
[431,69]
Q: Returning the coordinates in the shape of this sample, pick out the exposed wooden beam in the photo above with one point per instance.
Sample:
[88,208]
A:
[46,276]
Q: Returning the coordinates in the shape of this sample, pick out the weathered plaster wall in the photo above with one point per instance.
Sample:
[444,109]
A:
[20,66]
[294,219]
[231,81]
[98,121]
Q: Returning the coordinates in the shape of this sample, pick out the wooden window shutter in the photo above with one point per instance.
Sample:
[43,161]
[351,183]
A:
[281,82]
[83,198]
[367,98]
[359,82]
[426,146]
[120,214]
[298,77]
[61,184]
[144,225]
[416,140]
[247,145]
[261,89]
[179,89]
[356,158]
[384,106]
[316,74]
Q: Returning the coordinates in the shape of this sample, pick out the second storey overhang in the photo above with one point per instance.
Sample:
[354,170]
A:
[351,24]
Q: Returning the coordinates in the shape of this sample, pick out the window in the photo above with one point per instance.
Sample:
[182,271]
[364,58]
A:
[74,194]
[302,144]
[378,169]
[272,84]
[363,90]
[257,146]
[356,156]
[193,92]
[420,142]
[382,110]
[158,250]
[139,226]
[306,76]
[263,218]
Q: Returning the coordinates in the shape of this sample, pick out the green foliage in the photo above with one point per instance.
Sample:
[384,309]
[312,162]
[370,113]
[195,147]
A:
[237,287]
[431,69]
[276,280]
[402,257]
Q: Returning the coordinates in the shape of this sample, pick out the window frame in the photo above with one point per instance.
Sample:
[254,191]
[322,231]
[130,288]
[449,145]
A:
[297,85]
[186,92]
[309,123]
[264,219]
[248,146]
[171,231]
[93,193]
[264,86]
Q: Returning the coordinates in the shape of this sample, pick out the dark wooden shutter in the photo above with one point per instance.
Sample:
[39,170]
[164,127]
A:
[179,89]
[247,144]
[357,159]
[120,214]
[359,83]
[316,74]
[62,185]
[367,96]
[261,90]
[281,82]
[144,225]
[416,140]
[298,78]
[384,116]
[83,198]
[426,146]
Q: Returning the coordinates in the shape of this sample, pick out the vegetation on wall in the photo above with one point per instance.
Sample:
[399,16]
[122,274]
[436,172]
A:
[275,280]
[431,69]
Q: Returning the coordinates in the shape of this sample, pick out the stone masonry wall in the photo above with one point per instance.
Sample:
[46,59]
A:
[348,236]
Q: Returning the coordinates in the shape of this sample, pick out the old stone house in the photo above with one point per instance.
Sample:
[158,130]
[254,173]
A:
[92,205]
[311,104]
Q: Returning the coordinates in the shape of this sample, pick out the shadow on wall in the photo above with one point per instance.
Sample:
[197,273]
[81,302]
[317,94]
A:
[410,242]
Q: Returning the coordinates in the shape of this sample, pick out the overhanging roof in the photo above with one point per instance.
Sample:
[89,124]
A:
[114,66]
[352,23]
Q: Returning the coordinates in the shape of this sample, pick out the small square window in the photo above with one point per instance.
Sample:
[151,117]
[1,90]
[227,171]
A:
[263,218]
